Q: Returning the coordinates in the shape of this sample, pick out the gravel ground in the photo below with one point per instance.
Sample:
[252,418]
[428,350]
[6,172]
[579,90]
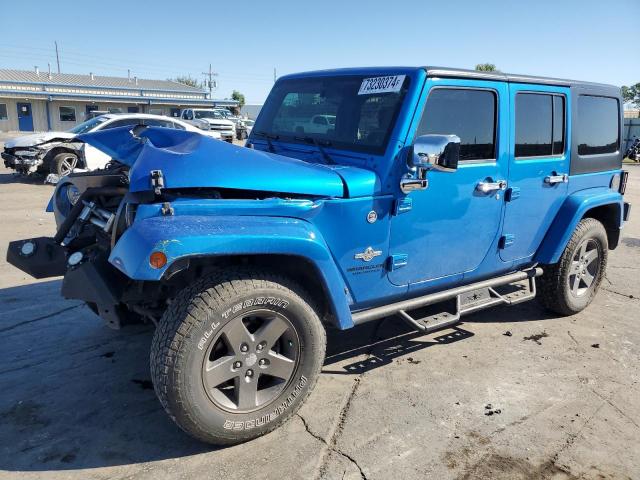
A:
[77,401]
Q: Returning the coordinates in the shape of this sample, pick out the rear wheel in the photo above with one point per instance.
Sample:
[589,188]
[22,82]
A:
[236,355]
[568,286]
[64,163]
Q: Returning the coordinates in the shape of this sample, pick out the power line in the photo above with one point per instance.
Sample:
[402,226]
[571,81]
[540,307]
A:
[123,63]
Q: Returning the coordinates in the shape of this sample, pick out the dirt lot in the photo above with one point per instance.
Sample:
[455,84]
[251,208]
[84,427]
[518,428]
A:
[77,400]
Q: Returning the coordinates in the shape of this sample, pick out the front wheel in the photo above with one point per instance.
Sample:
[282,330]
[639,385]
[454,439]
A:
[236,355]
[64,163]
[569,286]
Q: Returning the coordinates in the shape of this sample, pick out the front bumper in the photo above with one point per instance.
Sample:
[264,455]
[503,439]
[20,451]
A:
[30,163]
[94,280]
[9,160]
[40,257]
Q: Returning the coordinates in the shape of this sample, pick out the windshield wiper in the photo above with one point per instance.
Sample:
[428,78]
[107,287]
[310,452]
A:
[268,137]
[320,148]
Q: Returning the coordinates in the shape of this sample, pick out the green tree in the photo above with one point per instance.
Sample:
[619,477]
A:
[486,67]
[631,94]
[186,80]
[238,97]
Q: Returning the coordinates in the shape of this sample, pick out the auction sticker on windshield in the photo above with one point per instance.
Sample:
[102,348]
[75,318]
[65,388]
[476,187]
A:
[392,83]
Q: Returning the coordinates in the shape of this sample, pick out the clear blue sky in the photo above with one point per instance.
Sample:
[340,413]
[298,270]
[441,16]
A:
[245,40]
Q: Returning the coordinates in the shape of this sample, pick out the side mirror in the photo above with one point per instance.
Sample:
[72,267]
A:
[436,152]
[430,152]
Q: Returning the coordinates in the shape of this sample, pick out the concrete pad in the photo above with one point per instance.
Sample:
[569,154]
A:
[77,402]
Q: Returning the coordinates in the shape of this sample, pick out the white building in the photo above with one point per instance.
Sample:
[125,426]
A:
[41,101]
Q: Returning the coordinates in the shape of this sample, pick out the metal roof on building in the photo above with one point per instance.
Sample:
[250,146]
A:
[78,80]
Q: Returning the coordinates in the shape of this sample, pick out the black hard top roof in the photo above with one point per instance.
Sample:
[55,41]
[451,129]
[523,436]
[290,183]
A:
[508,77]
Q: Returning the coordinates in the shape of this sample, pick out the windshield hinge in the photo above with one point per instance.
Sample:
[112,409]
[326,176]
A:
[157,181]
[398,260]
[403,205]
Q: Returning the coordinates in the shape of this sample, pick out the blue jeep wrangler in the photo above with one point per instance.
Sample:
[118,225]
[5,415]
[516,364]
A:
[420,193]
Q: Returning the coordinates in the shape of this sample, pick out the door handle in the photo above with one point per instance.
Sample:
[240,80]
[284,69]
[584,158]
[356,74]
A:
[488,187]
[556,178]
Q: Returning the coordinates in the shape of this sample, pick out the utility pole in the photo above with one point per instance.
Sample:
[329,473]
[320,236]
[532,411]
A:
[57,56]
[210,74]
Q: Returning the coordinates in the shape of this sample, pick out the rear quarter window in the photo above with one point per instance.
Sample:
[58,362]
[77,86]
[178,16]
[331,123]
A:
[598,125]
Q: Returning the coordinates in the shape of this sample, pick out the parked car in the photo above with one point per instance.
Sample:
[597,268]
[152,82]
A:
[317,124]
[439,193]
[210,120]
[60,154]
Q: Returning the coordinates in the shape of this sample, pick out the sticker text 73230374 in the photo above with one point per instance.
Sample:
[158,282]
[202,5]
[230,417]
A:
[388,84]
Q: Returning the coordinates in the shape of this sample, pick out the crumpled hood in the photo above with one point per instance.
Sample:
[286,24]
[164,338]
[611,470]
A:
[191,160]
[36,139]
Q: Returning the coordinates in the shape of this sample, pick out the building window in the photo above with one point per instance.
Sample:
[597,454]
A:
[156,111]
[67,114]
[469,114]
[3,111]
[115,110]
[539,125]
[598,125]
[91,108]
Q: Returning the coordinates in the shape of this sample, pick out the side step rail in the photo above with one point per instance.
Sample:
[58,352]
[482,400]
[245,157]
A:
[455,302]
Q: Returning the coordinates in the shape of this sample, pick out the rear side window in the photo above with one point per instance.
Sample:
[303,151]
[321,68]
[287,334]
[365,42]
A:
[539,125]
[598,125]
[153,122]
[123,123]
[469,114]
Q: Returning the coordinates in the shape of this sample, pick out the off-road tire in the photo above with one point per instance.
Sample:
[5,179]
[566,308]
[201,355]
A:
[64,163]
[190,326]
[554,292]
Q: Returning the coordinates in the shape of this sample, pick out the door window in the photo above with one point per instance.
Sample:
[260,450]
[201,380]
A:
[539,125]
[470,114]
[598,125]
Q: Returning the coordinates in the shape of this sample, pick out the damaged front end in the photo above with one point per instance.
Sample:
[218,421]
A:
[24,160]
[90,212]
[165,184]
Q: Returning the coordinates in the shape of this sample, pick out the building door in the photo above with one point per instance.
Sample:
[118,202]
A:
[25,117]
[452,225]
[133,109]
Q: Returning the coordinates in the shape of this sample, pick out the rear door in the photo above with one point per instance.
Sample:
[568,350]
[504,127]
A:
[538,166]
[450,227]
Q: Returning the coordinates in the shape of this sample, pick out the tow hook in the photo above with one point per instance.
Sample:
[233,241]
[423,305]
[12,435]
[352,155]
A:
[157,181]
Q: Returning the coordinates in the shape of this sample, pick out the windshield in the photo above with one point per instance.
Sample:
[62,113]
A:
[207,114]
[88,125]
[350,112]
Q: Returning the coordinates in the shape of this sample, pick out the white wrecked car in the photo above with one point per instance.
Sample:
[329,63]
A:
[56,152]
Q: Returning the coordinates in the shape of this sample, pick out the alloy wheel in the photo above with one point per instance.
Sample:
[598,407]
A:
[68,164]
[251,361]
[585,267]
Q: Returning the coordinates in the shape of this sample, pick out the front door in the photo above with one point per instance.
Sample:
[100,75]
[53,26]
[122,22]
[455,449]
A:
[25,117]
[452,226]
[538,167]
